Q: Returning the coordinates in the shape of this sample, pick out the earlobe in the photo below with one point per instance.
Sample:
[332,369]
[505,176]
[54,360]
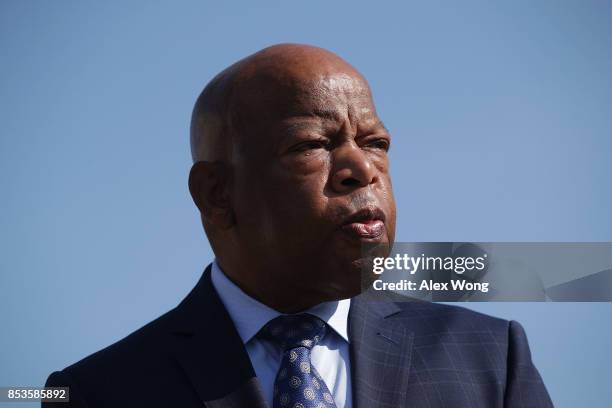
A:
[209,188]
[198,182]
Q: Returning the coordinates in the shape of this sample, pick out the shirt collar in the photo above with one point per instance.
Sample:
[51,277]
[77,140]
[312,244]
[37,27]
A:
[250,315]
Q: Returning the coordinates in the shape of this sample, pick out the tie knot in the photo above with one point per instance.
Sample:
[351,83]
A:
[291,331]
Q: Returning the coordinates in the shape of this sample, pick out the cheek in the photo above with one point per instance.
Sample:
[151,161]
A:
[389,200]
[304,175]
[292,190]
[305,165]
[381,162]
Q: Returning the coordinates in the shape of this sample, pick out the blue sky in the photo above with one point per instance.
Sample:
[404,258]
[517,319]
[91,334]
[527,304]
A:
[500,114]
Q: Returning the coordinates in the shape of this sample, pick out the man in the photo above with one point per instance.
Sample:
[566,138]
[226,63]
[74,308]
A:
[291,177]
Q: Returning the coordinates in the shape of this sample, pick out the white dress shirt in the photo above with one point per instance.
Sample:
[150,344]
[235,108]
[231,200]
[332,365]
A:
[330,356]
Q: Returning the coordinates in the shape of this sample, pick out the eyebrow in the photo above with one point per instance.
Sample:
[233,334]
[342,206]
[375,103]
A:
[297,126]
[328,114]
[304,121]
[379,124]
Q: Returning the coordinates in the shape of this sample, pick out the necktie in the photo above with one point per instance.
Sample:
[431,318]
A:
[298,384]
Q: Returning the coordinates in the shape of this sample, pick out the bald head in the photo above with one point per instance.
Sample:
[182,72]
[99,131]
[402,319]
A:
[291,175]
[252,86]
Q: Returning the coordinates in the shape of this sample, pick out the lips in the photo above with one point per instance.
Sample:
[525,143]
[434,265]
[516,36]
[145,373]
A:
[368,223]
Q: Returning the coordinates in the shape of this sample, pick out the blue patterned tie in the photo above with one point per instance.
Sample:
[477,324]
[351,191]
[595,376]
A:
[298,384]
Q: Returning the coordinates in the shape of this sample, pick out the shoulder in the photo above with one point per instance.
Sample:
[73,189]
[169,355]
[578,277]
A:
[441,316]
[132,348]
[442,323]
[153,342]
[127,361]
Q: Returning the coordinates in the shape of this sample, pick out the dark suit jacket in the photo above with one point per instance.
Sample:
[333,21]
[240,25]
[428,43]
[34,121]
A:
[403,354]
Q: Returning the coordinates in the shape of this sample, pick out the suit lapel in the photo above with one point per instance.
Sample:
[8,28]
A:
[214,359]
[380,352]
[211,353]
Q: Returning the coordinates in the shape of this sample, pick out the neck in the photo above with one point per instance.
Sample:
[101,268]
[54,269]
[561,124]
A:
[273,293]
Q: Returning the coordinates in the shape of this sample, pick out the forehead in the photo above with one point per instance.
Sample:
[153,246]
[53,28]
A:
[320,96]
[332,97]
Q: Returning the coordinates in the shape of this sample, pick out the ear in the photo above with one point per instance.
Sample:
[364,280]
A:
[209,187]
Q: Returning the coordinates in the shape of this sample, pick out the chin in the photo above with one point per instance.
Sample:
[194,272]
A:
[342,291]
[342,279]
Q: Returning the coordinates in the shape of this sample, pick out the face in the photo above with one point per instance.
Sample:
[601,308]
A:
[311,181]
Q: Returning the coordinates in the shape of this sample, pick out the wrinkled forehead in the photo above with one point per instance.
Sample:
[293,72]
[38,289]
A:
[326,94]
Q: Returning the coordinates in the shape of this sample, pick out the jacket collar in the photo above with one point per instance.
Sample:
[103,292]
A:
[210,351]
[213,357]
[380,352]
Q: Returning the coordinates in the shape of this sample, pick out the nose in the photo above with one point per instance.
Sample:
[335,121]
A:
[352,169]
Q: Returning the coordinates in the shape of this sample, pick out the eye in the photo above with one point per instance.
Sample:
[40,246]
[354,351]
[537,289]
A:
[310,145]
[382,144]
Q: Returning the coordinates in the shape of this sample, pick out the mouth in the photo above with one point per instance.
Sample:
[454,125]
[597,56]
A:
[368,223]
